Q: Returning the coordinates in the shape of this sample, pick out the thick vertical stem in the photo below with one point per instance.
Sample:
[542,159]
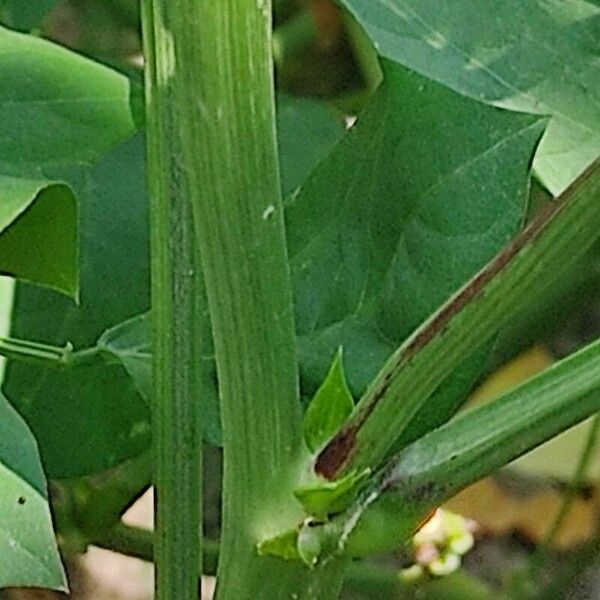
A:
[176,298]
[244,259]
[244,253]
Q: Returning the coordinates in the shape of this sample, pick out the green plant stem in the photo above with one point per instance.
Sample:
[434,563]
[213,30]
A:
[139,543]
[136,542]
[228,64]
[100,503]
[473,445]
[575,483]
[45,354]
[174,143]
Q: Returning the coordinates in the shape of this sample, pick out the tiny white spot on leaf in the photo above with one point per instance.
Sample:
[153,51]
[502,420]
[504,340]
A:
[268,212]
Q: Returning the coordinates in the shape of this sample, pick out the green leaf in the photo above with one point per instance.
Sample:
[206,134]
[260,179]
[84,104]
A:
[27,544]
[308,131]
[130,343]
[322,498]
[25,15]
[38,232]
[527,55]
[55,108]
[478,442]
[282,546]
[419,194]
[91,417]
[329,408]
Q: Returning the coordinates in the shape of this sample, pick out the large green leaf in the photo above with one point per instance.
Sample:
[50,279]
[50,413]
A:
[421,192]
[27,544]
[25,15]
[91,417]
[539,56]
[55,108]
[114,402]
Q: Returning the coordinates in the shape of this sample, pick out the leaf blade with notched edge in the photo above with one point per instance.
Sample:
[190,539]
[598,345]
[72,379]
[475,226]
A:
[329,408]
[527,55]
[27,544]
[113,423]
[420,193]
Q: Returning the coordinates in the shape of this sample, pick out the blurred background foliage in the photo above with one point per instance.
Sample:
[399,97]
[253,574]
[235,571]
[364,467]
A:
[536,520]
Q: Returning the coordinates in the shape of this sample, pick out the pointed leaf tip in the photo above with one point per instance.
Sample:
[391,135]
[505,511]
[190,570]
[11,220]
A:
[329,408]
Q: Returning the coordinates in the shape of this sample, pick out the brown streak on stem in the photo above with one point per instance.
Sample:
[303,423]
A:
[336,453]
